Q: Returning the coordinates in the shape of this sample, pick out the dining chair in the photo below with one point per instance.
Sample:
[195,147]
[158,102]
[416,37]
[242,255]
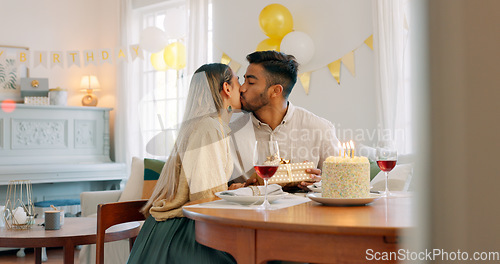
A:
[111,214]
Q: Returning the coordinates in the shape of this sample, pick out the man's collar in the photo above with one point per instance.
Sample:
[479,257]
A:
[286,118]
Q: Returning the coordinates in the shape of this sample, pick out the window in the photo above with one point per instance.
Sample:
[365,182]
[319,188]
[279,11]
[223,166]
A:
[163,92]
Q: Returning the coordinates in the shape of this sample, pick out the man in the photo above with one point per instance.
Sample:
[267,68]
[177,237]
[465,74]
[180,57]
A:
[301,135]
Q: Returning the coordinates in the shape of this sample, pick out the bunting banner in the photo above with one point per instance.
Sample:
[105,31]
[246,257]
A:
[334,67]
[52,59]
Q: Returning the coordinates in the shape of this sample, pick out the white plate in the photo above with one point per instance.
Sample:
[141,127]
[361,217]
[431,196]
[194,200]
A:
[342,201]
[245,200]
[314,188]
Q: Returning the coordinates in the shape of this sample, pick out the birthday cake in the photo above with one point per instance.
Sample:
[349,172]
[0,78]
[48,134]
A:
[346,177]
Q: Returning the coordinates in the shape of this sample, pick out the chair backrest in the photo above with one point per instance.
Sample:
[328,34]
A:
[111,214]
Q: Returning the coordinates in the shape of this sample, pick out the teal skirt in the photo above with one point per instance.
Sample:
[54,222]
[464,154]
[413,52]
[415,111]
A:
[173,241]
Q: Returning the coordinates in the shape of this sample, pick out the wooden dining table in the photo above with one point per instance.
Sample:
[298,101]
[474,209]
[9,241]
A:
[75,231]
[308,232]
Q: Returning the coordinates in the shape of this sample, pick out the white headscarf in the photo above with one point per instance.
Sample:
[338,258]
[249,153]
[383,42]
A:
[203,100]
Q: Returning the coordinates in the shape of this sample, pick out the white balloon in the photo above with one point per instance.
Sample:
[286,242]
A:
[298,44]
[175,23]
[153,39]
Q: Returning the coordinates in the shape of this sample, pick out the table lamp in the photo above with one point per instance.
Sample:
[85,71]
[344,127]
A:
[89,83]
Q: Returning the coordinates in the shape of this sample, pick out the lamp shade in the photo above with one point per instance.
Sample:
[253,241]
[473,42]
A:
[89,82]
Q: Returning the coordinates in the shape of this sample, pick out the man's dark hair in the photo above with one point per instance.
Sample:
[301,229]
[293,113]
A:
[280,67]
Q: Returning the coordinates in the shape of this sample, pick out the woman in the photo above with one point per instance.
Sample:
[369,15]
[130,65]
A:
[199,165]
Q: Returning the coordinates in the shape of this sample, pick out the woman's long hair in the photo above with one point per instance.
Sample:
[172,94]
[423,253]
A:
[204,98]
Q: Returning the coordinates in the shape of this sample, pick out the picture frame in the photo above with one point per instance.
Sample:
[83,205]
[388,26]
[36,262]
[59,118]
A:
[11,73]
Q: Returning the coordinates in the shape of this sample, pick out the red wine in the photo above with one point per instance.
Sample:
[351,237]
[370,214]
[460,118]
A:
[265,172]
[386,165]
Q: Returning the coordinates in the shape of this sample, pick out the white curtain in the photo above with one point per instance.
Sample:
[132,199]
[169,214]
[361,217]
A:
[128,141]
[128,138]
[390,35]
[197,40]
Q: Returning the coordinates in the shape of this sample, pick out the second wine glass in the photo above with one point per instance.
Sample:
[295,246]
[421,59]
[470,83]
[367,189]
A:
[266,159]
[387,156]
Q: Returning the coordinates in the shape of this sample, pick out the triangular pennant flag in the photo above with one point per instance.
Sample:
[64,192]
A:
[73,58]
[234,66]
[89,57]
[305,79]
[334,68]
[56,59]
[23,57]
[136,52]
[369,41]
[225,59]
[348,61]
[40,58]
[405,24]
[104,55]
[121,54]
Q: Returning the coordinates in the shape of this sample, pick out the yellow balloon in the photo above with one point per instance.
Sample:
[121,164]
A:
[158,61]
[276,21]
[269,44]
[175,55]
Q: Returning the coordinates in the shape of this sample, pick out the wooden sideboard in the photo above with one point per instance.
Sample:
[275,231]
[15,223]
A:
[56,144]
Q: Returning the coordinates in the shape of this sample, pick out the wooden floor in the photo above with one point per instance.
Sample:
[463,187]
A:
[55,255]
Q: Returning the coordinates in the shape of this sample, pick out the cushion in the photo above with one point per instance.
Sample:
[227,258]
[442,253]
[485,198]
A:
[133,187]
[152,171]
[374,169]
[399,179]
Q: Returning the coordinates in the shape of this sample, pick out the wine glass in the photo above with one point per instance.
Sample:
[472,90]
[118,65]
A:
[387,156]
[266,159]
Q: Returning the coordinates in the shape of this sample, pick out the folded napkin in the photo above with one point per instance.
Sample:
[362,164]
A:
[272,189]
[317,184]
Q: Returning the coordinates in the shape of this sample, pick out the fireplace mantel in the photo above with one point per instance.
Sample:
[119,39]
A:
[51,144]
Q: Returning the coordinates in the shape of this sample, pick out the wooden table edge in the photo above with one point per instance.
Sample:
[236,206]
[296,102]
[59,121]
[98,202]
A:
[192,213]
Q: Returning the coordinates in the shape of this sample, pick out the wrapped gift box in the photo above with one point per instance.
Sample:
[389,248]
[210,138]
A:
[291,174]
[38,87]
[36,100]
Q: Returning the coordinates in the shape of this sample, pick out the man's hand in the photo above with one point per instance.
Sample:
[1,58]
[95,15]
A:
[315,174]
[235,186]
[250,181]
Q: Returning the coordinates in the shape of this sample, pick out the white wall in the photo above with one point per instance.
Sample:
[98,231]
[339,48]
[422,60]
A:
[336,27]
[58,25]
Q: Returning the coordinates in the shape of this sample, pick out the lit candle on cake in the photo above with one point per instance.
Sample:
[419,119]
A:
[340,149]
[344,148]
[352,148]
